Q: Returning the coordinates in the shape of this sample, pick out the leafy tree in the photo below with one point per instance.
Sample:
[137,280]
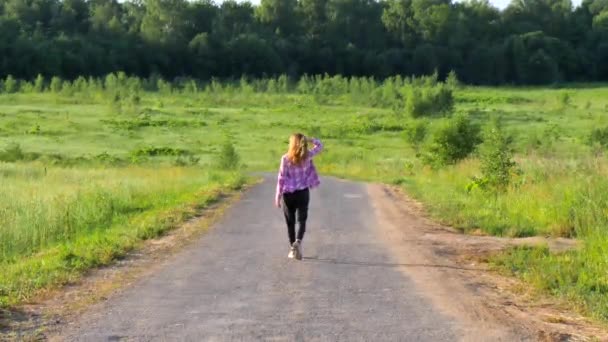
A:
[165,22]
[530,42]
[251,55]
[105,16]
[204,54]
[397,17]
[202,14]
[234,19]
[279,16]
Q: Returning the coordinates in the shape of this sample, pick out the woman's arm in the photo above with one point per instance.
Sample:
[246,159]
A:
[318,147]
[280,183]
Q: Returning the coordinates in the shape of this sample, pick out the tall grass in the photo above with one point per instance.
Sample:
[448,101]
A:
[58,222]
[42,206]
[548,197]
[578,277]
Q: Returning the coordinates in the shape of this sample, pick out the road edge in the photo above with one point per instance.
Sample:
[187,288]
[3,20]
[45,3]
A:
[44,316]
[480,299]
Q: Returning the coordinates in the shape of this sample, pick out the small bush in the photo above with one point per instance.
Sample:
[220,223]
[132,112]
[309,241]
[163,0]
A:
[452,80]
[10,85]
[415,133]
[428,100]
[56,84]
[26,87]
[67,89]
[35,130]
[599,136]
[453,141]
[496,154]
[134,99]
[164,87]
[228,159]
[39,84]
[191,87]
[12,153]
[564,99]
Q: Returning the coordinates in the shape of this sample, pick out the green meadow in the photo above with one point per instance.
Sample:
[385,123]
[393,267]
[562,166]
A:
[90,168]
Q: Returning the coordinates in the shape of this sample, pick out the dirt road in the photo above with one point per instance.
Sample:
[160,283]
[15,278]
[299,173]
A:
[366,276]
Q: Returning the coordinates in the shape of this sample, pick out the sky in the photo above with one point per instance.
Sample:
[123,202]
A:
[498,3]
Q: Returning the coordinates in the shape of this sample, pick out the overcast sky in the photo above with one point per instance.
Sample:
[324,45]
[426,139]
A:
[497,3]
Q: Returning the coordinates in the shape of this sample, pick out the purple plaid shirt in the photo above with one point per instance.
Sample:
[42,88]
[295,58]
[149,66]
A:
[298,177]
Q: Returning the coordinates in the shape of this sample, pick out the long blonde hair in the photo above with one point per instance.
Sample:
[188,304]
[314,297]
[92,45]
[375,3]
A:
[298,148]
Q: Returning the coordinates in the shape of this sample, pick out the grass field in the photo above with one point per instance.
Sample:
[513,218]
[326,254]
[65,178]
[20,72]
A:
[59,222]
[82,165]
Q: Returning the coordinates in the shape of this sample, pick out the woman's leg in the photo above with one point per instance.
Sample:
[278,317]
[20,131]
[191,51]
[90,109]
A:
[302,212]
[289,210]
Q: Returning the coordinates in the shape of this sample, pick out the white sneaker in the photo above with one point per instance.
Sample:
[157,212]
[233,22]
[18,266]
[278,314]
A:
[292,253]
[297,246]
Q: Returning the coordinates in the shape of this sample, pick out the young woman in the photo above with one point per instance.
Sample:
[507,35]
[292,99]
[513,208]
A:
[297,174]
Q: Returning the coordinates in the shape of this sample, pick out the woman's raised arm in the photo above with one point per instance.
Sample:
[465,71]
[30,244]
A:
[318,147]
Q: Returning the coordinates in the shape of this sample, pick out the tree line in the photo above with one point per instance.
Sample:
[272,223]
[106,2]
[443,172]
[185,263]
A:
[529,42]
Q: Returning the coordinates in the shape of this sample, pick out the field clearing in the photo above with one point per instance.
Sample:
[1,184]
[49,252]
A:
[105,161]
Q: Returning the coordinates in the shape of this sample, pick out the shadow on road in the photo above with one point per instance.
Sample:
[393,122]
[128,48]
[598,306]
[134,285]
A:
[381,264]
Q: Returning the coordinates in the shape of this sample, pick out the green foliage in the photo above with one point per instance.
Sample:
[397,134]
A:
[599,136]
[561,193]
[153,151]
[190,87]
[305,85]
[564,99]
[576,275]
[12,153]
[538,44]
[56,84]
[587,105]
[57,223]
[164,87]
[39,84]
[10,85]
[454,140]
[496,155]
[228,158]
[67,89]
[35,130]
[416,133]
[452,80]
[190,160]
[26,87]
[428,100]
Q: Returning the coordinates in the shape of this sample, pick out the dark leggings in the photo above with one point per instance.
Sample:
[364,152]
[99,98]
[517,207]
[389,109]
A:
[295,207]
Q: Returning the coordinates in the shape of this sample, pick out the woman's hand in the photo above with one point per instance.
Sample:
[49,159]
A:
[317,147]
[277,203]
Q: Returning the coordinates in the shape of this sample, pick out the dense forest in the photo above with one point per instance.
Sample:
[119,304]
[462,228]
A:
[531,41]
